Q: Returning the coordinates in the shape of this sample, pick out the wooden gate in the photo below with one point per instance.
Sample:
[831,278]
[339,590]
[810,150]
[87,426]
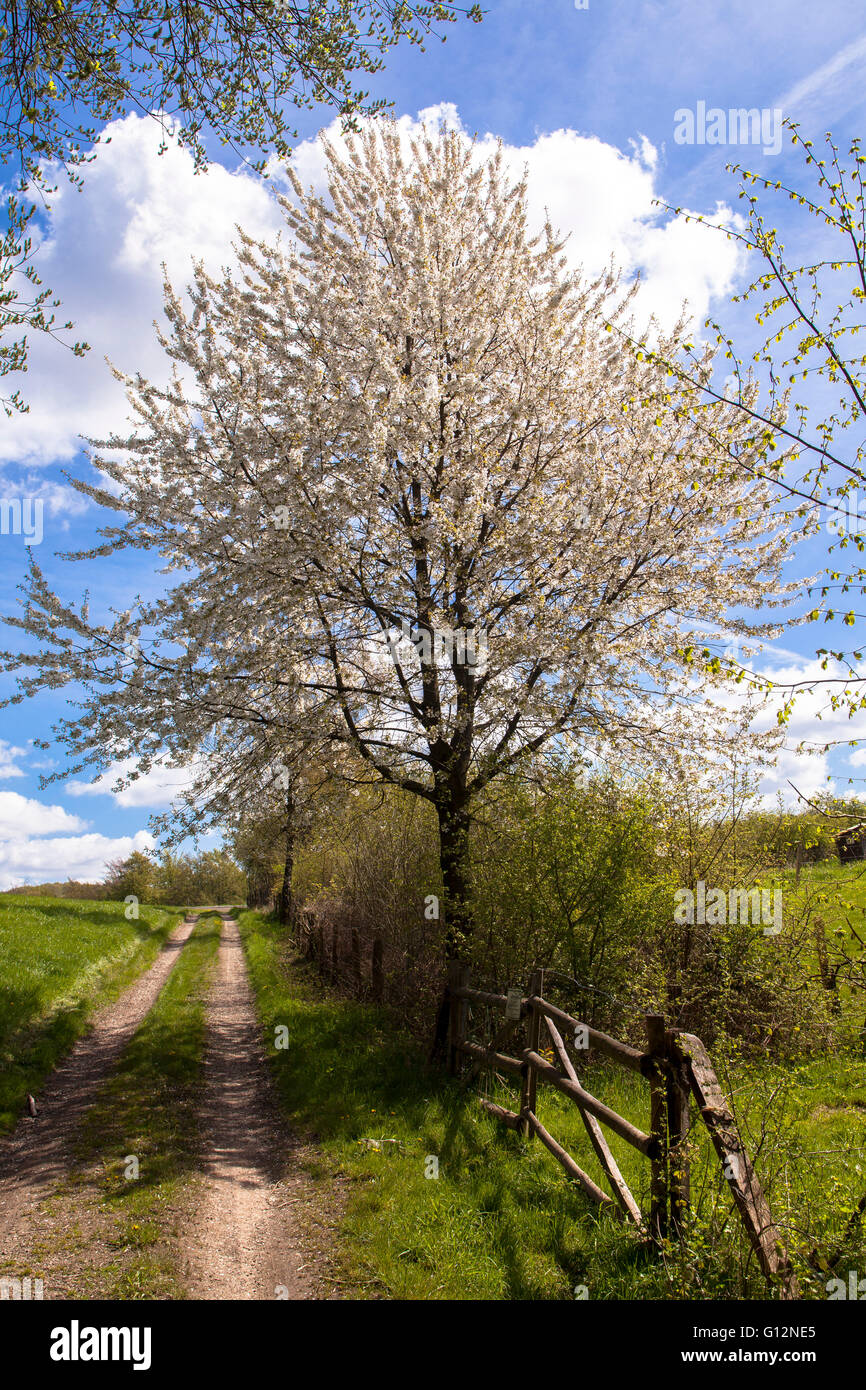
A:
[676,1067]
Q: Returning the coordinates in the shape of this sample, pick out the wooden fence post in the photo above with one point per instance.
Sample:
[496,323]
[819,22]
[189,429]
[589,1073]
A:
[743,1182]
[677,1097]
[378,970]
[335,953]
[320,949]
[356,962]
[529,1088]
[458,978]
[655,1028]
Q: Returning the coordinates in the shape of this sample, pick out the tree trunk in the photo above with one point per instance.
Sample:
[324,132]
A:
[285,902]
[453,816]
[454,864]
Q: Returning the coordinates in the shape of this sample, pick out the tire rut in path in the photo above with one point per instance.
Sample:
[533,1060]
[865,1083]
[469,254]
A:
[244,1243]
[37,1156]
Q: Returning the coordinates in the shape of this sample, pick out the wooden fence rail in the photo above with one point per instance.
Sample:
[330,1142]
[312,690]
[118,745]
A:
[677,1069]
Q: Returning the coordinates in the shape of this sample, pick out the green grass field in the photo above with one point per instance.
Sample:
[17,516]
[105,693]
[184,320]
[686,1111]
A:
[60,960]
[501,1220]
[107,1231]
[839,890]
[442,1201]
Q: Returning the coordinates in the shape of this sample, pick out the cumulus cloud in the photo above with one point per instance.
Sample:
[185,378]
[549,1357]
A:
[23,815]
[157,788]
[103,257]
[43,843]
[105,247]
[811,725]
[54,859]
[9,756]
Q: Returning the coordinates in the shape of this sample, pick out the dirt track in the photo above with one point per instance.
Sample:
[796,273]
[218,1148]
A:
[243,1244]
[238,1238]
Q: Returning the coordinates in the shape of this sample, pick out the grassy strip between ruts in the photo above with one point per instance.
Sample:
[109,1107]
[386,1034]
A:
[501,1220]
[61,962]
[148,1112]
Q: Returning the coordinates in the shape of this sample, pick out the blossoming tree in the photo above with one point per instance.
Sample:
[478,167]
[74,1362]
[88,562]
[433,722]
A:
[411,477]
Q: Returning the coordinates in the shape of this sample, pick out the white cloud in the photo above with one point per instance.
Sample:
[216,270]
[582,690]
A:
[103,259]
[604,199]
[9,755]
[59,502]
[22,816]
[808,773]
[83,857]
[812,722]
[156,788]
[35,849]
[137,209]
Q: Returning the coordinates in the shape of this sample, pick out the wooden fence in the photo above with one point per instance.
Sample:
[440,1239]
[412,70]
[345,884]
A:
[677,1069]
[344,956]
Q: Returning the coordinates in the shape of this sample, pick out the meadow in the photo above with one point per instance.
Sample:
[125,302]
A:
[500,1220]
[62,960]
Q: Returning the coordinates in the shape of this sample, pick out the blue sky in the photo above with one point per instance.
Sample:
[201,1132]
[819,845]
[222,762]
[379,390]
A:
[588,99]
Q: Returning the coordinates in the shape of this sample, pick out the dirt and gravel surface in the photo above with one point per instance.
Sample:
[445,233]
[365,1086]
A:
[249,1224]
[244,1242]
[37,1155]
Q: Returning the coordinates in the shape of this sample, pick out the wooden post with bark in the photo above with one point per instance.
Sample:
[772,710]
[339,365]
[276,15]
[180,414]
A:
[529,1087]
[306,938]
[657,1077]
[743,1182]
[677,1096]
[356,962]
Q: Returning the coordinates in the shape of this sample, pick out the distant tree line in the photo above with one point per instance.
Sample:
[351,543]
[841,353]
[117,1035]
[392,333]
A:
[72,888]
[210,877]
